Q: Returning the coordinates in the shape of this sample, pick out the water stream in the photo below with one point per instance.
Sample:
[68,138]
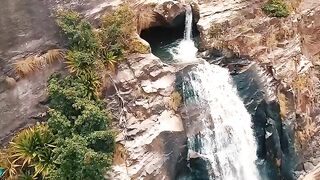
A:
[221,133]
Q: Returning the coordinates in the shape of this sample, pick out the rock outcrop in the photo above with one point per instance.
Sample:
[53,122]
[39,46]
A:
[151,138]
[287,48]
[151,132]
[29,28]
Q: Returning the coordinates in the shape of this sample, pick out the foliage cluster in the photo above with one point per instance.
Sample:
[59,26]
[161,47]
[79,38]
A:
[75,143]
[81,59]
[276,8]
[94,50]
[80,126]
[30,154]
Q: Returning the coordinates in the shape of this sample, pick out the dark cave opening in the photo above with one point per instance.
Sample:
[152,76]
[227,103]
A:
[162,38]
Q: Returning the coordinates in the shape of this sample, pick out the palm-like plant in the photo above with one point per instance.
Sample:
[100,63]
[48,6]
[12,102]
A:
[32,148]
[80,62]
[27,176]
[11,169]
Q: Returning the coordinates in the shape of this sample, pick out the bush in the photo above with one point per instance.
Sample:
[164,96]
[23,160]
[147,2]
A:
[80,62]
[76,161]
[78,31]
[91,50]
[276,8]
[118,28]
[84,144]
[63,93]
[92,119]
[102,141]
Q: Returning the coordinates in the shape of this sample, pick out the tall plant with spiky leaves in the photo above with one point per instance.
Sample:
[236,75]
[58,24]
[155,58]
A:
[30,151]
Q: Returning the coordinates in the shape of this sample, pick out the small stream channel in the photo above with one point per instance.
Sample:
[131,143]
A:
[274,139]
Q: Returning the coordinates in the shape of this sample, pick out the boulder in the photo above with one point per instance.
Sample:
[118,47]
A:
[152,134]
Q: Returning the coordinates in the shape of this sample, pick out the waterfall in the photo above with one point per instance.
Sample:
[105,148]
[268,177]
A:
[226,137]
[188,24]
[186,50]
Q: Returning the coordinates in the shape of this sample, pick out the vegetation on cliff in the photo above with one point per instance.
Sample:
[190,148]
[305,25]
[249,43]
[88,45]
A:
[276,8]
[76,142]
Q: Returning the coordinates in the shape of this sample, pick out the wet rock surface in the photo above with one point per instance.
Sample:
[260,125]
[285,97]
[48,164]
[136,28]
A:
[285,49]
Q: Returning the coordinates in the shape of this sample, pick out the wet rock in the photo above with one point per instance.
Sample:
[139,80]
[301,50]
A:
[285,48]
[308,166]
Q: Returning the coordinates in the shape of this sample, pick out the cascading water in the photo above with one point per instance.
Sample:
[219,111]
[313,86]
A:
[225,140]
[186,50]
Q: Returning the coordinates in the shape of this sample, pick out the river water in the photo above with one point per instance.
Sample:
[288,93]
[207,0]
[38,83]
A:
[223,136]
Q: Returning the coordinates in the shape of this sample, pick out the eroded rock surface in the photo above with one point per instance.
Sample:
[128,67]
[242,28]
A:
[288,49]
[152,132]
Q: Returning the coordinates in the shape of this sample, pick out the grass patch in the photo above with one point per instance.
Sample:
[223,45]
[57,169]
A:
[276,8]
[35,63]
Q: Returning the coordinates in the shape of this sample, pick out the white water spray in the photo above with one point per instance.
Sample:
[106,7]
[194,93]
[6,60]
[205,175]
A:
[188,24]
[226,140]
[186,50]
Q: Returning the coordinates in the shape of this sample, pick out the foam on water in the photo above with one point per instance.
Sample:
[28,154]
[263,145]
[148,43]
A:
[227,140]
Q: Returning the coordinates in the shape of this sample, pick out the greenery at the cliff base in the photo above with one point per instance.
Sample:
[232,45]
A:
[276,8]
[76,142]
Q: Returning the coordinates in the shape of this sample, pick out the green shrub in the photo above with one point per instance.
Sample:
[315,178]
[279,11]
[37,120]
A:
[77,162]
[80,62]
[64,92]
[59,124]
[92,119]
[118,28]
[78,31]
[85,144]
[276,8]
[102,141]
[115,35]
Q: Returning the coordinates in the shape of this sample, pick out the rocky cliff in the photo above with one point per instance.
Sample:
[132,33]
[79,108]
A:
[142,95]
[287,48]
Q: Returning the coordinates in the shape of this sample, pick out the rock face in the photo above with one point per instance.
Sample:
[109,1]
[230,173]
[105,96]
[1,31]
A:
[151,138]
[152,132]
[26,28]
[287,48]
